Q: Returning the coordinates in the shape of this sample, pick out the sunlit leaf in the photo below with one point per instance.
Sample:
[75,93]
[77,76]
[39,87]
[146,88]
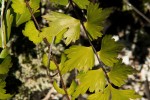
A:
[103,95]
[79,57]
[119,73]
[32,33]
[57,88]
[21,18]
[19,6]
[22,12]
[70,90]
[95,17]
[34,4]
[9,20]
[111,93]
[123,94]
[109,50]
[45,62]
[59,22]
[49,34]
[93,80]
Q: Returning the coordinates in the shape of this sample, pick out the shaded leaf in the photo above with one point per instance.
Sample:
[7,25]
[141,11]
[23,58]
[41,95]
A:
[94,80]
[5,65]
[82,3]
[32,33]
[119,73]
[79,57]
[60,22]
[109,50]
[60,2]
[4,53]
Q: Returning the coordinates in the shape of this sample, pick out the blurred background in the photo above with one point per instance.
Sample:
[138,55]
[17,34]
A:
[129,23]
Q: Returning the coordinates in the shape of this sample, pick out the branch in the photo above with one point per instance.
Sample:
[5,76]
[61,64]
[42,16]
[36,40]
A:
[137,11]
[87,35]
[50,50]
[61,78]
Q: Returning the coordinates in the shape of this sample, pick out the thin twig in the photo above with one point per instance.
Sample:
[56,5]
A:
[94,50]
[137,11]
[50,49]
[31,11]
[48,94]
[61,78]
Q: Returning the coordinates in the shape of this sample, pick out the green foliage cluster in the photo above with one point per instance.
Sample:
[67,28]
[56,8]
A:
[65,28]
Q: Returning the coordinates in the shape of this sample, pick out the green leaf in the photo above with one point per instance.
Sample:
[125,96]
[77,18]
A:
[21,18]
[19,6]
[95,17]
[60,2]
[5,65]
[70,90]
[34,5]
[123,94]
[60,22]
[23,14]
[109,50]
[57,88]
[45,62]
[32,33]
[3,94]
[82,3]
[48,33]
[119,73]
[102,95]
[93,80]
[9,20]
[111,93]
[79,57]
[4,53]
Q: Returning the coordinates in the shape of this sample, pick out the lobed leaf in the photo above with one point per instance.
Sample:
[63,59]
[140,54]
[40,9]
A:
[21,18]
[70,90]
[32,33]
[82,3]
[45,62]
[64,25]
[19,4]
[111,93]
[95,17]
[79,57]
[119,73]
[109,50]
[23,14]
[5,65]
[96,83]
